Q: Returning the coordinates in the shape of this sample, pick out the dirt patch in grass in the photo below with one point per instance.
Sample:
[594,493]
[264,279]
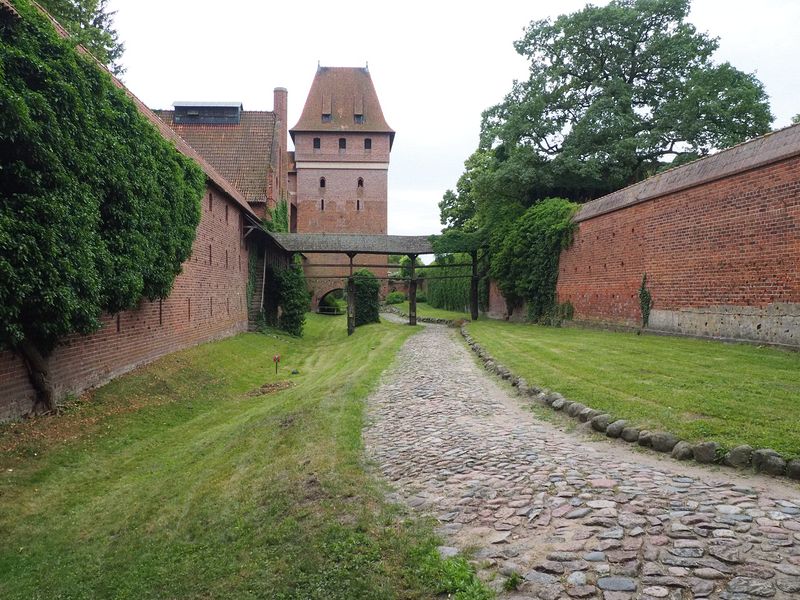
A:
[72,421]
[270,388]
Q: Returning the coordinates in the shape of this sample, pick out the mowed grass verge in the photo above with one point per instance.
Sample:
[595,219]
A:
[426,310]
[697,389]
[176,481]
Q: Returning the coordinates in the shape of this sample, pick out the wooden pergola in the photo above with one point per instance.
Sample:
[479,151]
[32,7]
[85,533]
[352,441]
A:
[354,244]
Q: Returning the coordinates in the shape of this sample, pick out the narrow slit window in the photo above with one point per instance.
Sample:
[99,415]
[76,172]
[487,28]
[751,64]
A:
[358,204]
[322,204]
[367,143]
[210,201]
[342,143]
[322,182]
[317,143]
[226,213]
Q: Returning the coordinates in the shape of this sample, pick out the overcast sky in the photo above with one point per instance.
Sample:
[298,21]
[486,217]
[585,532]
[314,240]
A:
[436,66]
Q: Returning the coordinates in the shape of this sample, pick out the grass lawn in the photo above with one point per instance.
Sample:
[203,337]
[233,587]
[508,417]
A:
[425,310]
[179,480]
[697,389]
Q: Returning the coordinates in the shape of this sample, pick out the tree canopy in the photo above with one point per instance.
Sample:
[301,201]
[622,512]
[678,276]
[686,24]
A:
[91,25]
[614,94]
[97,209]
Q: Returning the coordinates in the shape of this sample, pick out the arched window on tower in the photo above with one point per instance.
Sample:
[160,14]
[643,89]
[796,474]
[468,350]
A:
[360,182]
[322,182]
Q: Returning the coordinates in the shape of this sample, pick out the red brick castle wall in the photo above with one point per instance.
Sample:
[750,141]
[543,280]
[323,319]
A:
[208,302]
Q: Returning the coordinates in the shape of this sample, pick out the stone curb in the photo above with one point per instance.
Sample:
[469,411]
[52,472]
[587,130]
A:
[762,460]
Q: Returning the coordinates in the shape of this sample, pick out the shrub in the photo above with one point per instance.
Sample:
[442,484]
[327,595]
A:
[367,301]
[293,299]
[396,297]
[422,298]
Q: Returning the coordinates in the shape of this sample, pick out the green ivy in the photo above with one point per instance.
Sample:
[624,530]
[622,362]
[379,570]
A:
[367,297]
[645,301]
[293,299]
[526,265]
[252,274]
[97,209]
[449,294]
[278,217]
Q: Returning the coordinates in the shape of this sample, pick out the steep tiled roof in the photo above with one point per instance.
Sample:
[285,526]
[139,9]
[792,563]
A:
[311,243]
[757,152]
[242,153]
[342,92]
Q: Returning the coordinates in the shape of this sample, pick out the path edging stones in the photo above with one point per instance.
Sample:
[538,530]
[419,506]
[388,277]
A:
[762,460]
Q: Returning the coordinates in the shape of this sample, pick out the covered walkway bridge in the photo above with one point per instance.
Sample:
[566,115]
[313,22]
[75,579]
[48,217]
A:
[352,245]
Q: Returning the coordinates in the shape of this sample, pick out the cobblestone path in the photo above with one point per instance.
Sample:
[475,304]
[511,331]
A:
[574,517]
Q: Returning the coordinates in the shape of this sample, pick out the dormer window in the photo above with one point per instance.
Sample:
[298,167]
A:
[317,143]
[367,143]
[326,117]
[342,144]
[358,119]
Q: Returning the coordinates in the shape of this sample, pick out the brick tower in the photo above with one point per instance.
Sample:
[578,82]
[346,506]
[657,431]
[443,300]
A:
[342,145]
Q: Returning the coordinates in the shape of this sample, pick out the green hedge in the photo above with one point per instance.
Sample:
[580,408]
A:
[367,300]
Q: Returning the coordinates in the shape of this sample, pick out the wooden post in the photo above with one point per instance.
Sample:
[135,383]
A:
[473,288]
[412,292]
[351,300]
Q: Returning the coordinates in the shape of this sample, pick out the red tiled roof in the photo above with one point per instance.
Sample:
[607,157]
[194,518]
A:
[342,92]
[180,144]
[242,153]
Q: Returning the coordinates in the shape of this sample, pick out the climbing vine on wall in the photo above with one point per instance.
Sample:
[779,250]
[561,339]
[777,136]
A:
[645,301]
[526,265]
[97,209]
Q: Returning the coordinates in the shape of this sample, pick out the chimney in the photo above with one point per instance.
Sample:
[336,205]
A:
[279,107]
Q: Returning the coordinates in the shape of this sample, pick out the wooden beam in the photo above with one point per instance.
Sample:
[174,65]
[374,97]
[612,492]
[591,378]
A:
[351,299]
[412,292]
[473,288]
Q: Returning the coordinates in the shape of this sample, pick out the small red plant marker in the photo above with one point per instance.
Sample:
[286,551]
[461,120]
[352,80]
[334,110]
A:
[276,359]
